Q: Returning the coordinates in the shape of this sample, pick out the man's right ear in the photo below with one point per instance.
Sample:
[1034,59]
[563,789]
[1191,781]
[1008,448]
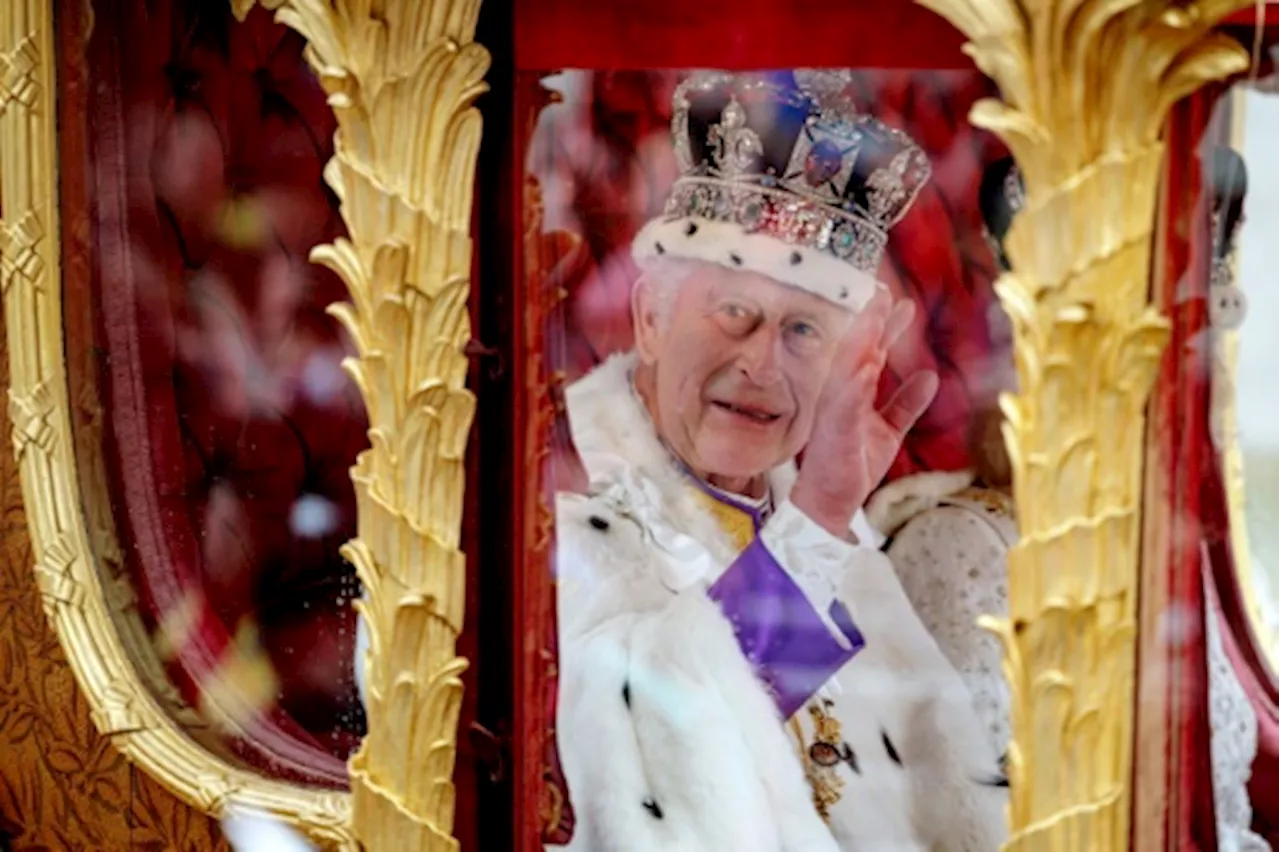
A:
[644,319]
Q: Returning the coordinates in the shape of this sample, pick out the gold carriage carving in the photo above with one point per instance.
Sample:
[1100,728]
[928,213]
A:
[82,598]
[1087,344]
[409,70]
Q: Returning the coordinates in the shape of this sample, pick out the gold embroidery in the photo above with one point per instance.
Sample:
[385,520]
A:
[736,523]
[995,502]
[826,783]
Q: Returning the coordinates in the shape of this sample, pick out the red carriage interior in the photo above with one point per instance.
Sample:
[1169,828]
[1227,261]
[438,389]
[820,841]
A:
[231,426]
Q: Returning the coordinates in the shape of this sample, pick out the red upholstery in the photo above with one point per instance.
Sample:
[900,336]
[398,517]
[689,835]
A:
[733,35]
[232,424]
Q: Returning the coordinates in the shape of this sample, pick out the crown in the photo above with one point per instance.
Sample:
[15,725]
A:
[785,157]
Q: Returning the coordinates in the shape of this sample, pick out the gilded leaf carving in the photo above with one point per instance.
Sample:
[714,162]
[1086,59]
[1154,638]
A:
[20,259]
[405,70]
[28,415]
[1086,86]
[18,74]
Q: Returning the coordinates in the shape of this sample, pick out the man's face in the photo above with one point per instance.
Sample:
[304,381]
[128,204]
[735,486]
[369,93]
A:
[737,362]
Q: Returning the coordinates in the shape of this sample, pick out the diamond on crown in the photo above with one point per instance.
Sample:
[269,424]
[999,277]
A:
[847,235]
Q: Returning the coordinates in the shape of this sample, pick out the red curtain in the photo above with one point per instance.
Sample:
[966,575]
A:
[1180,403]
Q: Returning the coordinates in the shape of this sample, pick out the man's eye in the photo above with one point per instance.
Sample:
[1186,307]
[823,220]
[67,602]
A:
[804,337]
[736,318]
[804,329]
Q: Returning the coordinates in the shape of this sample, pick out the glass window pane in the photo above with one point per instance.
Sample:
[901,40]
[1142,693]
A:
[776,471]
[227,425]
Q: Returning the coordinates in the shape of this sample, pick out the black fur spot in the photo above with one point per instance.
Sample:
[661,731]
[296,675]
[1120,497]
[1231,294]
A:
[796,257]
[652,807]
[851,759]
[626,694]
[844,292]
[737,260]
[888,747]
[1001,778]
[659,249]
[598,523]
[691,229]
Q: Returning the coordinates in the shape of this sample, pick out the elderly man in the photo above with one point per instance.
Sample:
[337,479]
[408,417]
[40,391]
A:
[740,668]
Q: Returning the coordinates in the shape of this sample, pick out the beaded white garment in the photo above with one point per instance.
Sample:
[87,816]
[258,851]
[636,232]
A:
[1233,744]
[951,561]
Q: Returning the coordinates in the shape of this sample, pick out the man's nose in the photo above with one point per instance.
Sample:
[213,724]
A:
[760,357]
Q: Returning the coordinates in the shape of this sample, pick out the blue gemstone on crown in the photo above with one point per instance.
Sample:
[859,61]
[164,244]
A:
[823,162]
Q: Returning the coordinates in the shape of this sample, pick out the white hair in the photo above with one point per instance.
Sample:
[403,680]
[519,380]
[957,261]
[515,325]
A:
[664,275]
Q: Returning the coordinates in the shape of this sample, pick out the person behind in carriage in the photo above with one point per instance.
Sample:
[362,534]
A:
[740,668]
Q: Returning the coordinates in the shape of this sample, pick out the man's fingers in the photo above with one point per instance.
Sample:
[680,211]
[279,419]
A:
[910,401]
[863,348]
[843,411]
[868,324]
[900,319]
[881,302]
[862,339]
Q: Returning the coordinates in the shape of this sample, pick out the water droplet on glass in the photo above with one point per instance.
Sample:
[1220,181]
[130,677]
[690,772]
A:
[313,516]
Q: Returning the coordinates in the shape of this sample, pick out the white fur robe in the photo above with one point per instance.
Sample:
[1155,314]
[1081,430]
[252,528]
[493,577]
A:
[668,740]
